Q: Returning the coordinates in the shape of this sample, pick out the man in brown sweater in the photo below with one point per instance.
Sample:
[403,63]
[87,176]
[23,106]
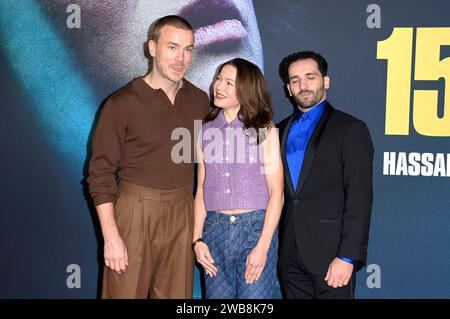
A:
[147,217]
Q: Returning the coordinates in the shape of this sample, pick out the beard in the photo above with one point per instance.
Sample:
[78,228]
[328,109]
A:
[314,99]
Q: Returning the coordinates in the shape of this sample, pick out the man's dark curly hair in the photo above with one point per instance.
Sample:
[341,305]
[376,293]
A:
[303,55]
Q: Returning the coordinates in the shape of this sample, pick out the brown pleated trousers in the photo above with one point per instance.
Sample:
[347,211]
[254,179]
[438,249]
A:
[156,226]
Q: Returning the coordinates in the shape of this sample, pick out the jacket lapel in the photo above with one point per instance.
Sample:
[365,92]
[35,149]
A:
[287,174]
[312,147]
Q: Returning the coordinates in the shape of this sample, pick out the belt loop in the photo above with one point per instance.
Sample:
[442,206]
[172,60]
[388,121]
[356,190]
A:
[141,192]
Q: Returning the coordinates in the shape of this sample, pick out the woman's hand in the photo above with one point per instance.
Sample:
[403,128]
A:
[205,259]
[256,261]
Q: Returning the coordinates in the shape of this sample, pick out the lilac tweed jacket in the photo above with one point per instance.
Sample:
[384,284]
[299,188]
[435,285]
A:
[234,176]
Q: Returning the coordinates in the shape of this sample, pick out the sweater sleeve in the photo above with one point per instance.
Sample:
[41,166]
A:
[107,150]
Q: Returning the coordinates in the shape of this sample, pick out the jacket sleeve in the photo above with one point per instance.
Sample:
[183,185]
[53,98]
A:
[357,164]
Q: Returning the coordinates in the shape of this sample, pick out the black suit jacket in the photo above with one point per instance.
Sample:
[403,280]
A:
[328,215]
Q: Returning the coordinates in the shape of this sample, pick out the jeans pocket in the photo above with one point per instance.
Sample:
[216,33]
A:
[209,224]
[256,227]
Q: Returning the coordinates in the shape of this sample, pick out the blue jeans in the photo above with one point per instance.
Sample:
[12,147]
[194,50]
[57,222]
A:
[230,239]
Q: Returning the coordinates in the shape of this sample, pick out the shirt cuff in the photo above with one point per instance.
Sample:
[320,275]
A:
[99,199]
[351,261]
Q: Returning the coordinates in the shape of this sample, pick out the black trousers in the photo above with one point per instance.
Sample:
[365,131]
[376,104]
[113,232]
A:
[298,283]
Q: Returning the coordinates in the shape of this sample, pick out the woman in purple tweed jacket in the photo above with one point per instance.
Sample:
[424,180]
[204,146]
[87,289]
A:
[240,187]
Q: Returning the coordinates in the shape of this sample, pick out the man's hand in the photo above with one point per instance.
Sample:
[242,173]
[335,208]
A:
[115,254]
[339,273]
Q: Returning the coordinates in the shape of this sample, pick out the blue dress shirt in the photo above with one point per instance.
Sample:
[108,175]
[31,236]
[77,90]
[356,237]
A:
[300,132]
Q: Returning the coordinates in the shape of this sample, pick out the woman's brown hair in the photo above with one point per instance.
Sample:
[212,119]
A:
[253,95]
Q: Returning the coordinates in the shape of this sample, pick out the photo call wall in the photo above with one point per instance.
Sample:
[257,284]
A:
[389,65]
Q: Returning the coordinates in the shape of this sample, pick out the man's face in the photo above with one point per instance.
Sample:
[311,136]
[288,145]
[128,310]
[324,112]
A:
[172,53]
[306,83]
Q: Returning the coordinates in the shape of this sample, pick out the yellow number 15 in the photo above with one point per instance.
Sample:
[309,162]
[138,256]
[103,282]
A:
[397,49]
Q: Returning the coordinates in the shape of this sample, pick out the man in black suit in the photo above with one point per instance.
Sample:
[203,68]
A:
[327,155]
